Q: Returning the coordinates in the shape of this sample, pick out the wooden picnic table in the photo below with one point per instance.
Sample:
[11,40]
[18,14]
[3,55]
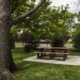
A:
[52,52]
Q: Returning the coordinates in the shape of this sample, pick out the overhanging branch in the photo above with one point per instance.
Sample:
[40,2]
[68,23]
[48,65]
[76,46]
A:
[22,17]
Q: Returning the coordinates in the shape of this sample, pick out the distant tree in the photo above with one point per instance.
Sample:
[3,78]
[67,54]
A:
[76,38]
[31,41]
[50,22]
[76,33]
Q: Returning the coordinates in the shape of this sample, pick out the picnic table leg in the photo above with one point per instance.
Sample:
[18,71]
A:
[42,55]
[64,56]
[39,55]
[52,55]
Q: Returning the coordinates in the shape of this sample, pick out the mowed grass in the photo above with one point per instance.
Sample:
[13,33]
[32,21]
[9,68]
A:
[42,71]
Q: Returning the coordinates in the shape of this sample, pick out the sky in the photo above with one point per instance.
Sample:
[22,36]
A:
[73,4]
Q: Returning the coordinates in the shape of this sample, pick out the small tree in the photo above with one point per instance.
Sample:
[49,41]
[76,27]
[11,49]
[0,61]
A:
[58,40]
[31,41]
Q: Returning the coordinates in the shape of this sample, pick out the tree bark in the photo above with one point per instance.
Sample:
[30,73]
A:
[6,60]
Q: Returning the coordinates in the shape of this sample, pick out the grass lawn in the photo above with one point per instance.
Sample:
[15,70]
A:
[18,43]
[43,71]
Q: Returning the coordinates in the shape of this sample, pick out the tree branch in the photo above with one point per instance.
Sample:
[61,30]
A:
[22,17]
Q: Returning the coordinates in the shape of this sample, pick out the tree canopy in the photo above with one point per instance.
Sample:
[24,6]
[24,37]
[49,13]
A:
[48,21]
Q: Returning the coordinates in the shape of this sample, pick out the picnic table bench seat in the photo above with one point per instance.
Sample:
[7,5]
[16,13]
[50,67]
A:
[52,51]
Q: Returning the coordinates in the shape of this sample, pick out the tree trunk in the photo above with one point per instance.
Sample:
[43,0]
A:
[6,60]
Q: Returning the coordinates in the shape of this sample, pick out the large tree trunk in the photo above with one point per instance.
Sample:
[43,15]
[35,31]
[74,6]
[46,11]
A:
[6,61]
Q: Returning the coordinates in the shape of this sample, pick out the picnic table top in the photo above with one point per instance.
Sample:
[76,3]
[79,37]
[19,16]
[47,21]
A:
[52,48]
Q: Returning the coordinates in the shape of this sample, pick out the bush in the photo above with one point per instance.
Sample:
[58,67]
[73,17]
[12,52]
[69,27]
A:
[31,41]
[25,37]
[76,40]
[34,43]
[59,40]
[27,48]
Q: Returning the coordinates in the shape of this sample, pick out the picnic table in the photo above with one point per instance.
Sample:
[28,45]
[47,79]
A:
[52,52]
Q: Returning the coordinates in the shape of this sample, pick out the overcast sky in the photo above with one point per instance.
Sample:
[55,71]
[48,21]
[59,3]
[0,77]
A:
[72,4]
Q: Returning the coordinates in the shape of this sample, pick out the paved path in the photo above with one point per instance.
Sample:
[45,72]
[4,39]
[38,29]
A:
[71,60]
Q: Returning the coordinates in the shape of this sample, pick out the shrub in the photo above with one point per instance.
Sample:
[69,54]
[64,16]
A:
[76,40]
[31,41]
[25,37]
[27,48]
[59,40]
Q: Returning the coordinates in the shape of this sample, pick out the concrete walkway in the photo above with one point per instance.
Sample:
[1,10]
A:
[71,60]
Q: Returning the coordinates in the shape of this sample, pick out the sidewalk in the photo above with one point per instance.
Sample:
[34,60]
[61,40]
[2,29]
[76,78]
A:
[71,60]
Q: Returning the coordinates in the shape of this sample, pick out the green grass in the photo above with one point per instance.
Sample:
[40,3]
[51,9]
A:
[75,53]
[43,71]
[68,43]
[19,43]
